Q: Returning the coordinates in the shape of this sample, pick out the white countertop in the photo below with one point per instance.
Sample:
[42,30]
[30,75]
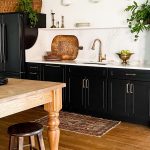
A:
[83,63]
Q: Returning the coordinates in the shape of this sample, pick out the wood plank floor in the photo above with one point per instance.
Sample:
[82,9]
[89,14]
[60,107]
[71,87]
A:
[124,137]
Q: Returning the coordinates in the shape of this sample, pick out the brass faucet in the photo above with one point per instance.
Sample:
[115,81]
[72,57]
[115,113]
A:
[100,55]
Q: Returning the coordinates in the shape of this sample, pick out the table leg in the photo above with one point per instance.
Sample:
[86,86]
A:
[53,109]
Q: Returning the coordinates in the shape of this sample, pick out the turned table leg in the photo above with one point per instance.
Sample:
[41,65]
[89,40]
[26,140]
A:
[53,109]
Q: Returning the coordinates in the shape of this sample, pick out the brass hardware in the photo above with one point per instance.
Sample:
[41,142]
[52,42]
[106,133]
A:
[101,58]
[83,83]
[127,88]
[131,88]
[87,83]
[132,74]
[33,73]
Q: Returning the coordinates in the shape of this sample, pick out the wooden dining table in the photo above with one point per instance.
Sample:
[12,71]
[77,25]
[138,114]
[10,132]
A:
[20,95]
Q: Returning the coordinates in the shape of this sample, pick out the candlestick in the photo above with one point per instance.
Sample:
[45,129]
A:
[53,20]
[62,22]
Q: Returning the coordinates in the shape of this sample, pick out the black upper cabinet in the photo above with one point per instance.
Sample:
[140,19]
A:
[86,90]
[129,95]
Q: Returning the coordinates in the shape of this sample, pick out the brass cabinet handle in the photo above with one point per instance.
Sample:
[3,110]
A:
[83,83]
[87,83]
[127,88]
[131,88]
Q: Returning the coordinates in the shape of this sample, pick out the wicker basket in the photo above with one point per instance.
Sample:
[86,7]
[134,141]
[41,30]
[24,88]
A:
[11,5]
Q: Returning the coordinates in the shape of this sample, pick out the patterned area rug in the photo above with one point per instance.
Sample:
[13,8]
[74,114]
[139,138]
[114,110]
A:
[83,124]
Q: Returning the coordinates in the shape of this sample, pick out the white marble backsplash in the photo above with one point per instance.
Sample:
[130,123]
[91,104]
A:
[113,40]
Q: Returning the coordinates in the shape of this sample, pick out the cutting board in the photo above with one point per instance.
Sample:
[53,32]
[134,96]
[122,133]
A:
[65,46]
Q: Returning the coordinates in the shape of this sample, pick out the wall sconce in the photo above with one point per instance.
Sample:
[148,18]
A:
[66,2]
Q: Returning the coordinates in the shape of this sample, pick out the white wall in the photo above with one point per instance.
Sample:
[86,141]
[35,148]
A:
[108,23]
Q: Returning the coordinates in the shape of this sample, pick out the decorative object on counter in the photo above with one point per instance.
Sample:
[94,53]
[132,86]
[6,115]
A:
[124,55]
[66,2]
[82,24]
[140,17]
[52,56]
[53,20]
[62,22]
[66,46]
[11,5]
[26,6]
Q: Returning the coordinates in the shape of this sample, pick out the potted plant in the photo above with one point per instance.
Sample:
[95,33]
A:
[140,17]
[26,6]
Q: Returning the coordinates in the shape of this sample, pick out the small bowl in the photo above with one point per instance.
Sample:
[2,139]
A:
[124,57]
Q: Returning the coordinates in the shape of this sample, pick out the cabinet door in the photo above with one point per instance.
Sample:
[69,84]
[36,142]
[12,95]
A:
[95,96]
[76,93]
[140,98]
[118,95]
[53,73]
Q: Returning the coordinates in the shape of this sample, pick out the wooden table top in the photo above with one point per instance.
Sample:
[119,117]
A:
[20,87]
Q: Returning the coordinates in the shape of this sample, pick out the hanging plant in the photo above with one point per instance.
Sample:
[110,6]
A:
[139,19]
[26,6]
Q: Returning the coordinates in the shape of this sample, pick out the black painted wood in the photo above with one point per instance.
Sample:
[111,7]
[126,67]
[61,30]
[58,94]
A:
[129,95]
[33,71]
[86,90]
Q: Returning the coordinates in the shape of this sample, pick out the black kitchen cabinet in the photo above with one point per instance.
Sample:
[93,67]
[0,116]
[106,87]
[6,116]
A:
[129,95]
[33,71]
[86,90]
[55,73]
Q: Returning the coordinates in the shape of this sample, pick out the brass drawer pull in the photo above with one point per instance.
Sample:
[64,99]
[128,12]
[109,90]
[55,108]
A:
[33,73]
[52,66]
[31,67]
[130,74]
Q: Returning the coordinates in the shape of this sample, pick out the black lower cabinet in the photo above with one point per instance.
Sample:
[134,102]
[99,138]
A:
[55,73]
[129,98]
[33,71]
[119,94]
[86,90]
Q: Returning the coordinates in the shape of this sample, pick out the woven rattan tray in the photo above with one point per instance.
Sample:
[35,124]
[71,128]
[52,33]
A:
[66,46]
[11,5]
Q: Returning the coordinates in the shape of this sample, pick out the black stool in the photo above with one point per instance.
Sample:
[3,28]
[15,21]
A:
[27,129]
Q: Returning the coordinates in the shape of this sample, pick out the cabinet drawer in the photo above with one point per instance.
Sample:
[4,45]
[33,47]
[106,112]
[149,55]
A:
[133,74]
[89,71]
[33,67]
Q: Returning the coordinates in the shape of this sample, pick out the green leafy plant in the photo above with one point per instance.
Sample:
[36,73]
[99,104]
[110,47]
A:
[26,6]
[140,17]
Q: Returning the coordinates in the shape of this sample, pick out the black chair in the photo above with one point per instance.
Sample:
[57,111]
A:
[27,129]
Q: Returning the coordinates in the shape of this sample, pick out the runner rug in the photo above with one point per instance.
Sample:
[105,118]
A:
[83,124]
